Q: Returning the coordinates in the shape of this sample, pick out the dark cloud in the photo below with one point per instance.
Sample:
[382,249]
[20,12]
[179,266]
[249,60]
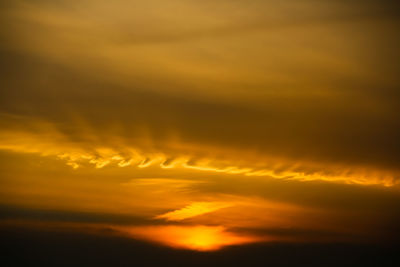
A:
[15,213]
[346,129]
[26,246]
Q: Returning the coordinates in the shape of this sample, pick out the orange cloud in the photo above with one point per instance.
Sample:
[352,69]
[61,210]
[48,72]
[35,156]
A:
[174,157]
[192,210]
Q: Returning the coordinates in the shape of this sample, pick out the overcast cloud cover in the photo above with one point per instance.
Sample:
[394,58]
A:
[264,120]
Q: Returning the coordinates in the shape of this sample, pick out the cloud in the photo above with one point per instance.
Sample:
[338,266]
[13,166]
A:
[309,139]
[193,210]
[220,115]
[173,156]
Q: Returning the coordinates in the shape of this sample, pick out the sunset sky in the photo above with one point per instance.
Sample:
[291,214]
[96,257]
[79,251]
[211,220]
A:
[199,125]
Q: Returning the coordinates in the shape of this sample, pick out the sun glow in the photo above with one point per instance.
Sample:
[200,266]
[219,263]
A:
[200,238]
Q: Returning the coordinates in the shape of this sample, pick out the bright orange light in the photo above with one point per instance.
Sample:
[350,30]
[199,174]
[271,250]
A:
[201,238]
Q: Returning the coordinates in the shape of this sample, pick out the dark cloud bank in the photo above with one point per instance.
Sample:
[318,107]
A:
[22,247]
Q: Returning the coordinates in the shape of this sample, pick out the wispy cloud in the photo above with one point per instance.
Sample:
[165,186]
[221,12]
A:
[193,210]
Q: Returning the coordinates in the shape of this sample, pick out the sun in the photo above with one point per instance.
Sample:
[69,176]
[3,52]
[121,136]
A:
[200,238]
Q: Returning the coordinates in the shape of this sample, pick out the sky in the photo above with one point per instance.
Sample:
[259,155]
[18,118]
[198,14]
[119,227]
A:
[200,125]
